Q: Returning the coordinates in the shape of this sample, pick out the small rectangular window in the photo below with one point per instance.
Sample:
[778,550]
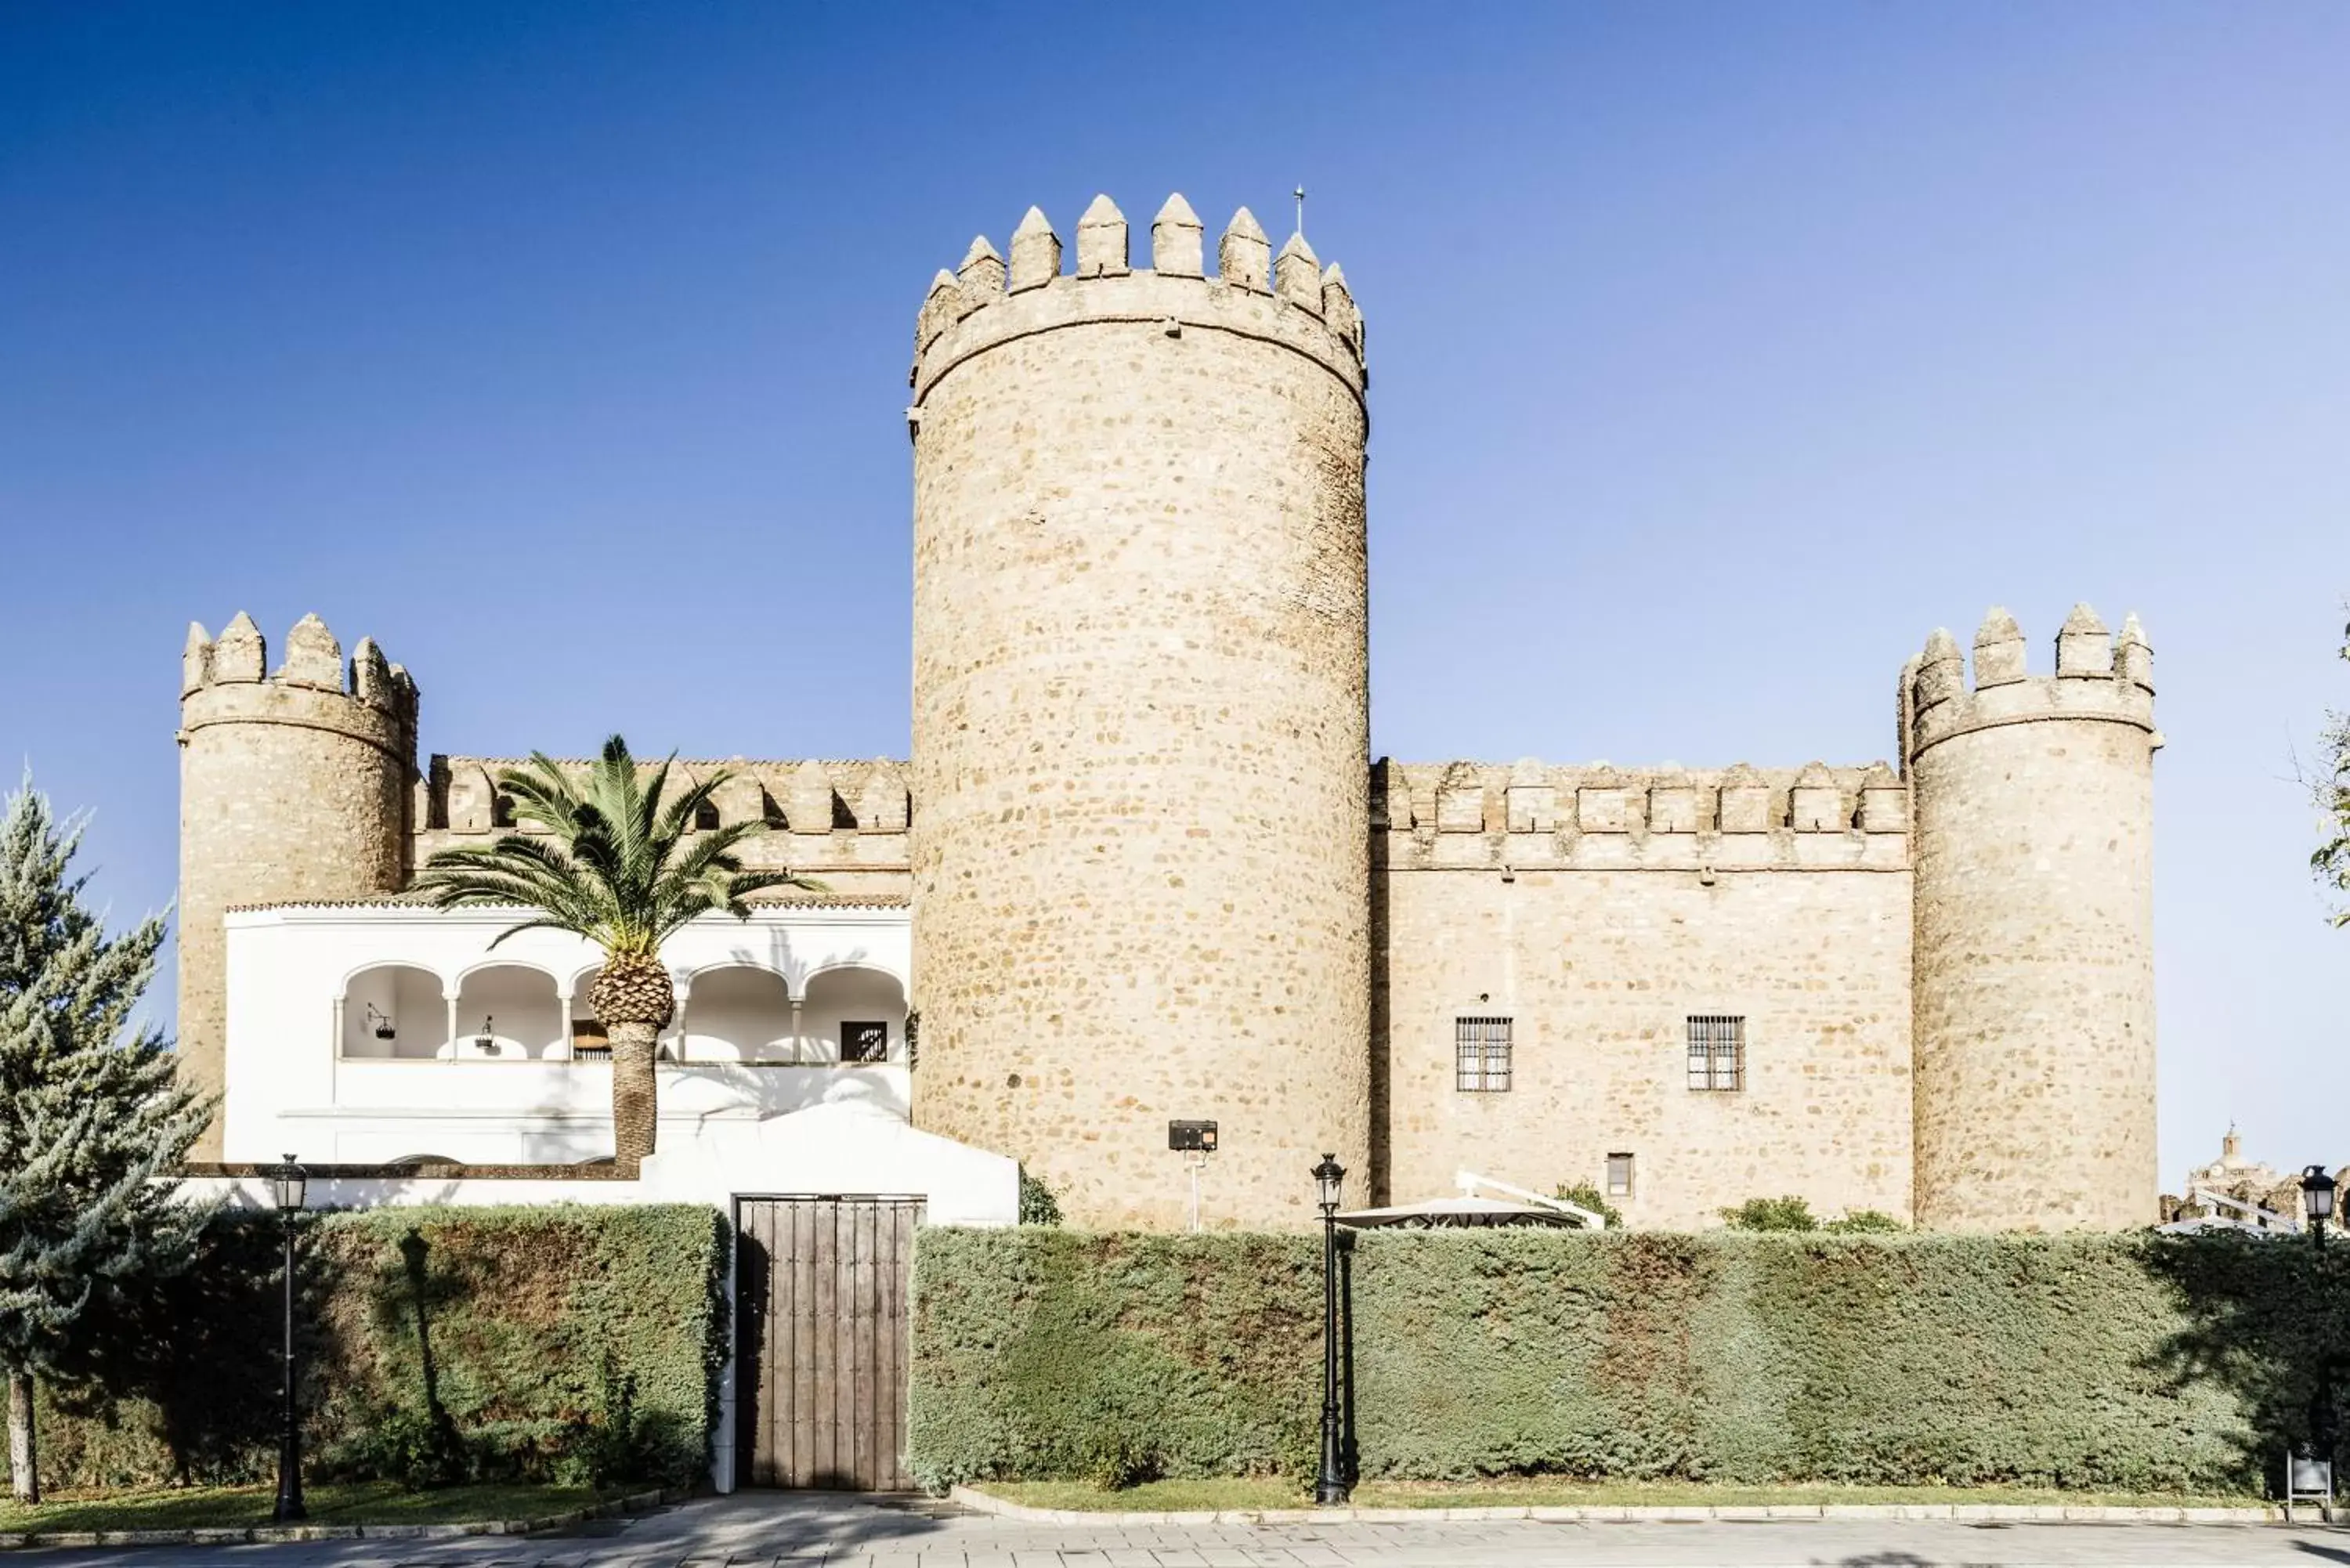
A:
[1717,1053]
[1620,1175]
[864,1042]
[1481,1055]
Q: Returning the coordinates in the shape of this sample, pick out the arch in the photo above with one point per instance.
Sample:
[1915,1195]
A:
[738,1011]
[492,961]
[831,966]
[514,1006]
[373,964]
[842,994]
[405,999]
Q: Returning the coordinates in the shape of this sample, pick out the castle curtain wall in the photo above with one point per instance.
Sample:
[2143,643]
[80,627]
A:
[1598,929]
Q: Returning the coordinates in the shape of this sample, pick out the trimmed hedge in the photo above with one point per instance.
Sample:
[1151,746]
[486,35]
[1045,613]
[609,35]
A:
[2126,1362]
[569,1344]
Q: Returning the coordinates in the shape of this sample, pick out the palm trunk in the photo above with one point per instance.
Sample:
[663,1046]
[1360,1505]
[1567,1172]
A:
[633,1102]
[23,1467]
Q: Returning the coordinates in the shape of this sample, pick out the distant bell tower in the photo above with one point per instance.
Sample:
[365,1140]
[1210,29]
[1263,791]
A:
[2035,935]
[292,785]
[1142,737]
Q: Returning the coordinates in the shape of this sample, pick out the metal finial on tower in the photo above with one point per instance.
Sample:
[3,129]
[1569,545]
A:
[1300,194]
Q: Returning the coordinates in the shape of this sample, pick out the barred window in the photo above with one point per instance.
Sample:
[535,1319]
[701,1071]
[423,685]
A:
[1480,1054]
[1620,1175]
[1717,1052]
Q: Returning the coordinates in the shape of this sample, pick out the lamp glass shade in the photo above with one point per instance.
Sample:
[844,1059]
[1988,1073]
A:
[2317,1193]
[1328,1176]
[289,1185]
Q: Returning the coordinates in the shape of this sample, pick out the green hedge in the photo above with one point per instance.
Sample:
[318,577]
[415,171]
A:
[2127,1361]
[569,1343]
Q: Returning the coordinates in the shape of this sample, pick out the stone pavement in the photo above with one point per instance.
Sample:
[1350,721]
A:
[800,1530]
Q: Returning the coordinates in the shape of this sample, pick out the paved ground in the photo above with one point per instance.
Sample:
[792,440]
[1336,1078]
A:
[800,1530]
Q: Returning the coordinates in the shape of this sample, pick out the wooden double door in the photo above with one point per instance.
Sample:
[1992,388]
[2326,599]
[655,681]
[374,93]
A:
[821,1297]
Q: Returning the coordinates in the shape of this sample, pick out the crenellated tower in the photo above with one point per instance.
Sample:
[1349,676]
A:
[292,785]
[2034,929]
[1140,735]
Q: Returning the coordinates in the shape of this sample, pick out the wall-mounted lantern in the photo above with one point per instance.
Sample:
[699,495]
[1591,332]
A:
[381,1022]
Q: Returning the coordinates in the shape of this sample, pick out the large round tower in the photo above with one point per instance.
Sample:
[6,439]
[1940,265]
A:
[2035,981]
[1140,751]
[292,787]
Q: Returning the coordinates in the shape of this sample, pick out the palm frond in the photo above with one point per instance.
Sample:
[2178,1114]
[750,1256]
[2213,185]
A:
[617,862]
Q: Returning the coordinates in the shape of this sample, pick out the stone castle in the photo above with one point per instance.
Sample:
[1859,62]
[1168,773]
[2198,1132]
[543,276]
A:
[1153,872]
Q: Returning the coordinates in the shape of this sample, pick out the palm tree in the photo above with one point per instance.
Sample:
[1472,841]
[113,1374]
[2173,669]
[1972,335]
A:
[622,865]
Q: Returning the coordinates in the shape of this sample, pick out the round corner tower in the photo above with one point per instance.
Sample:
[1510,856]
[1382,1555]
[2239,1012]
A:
[293,787]
[1140,834]
[2034,931]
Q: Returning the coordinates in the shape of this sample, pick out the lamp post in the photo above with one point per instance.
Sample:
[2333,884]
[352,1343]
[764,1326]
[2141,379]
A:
[288,1184]
[1330,1486]
[2313,1468]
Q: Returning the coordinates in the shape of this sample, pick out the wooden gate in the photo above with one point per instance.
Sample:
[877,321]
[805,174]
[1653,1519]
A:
[820,1370]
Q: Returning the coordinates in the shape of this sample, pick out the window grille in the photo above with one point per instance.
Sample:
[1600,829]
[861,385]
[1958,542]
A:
[1481,1055]
[1620,1175]
[864,1042]
[1717,1053]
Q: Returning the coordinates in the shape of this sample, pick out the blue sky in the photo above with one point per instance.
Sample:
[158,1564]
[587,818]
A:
[1721,352]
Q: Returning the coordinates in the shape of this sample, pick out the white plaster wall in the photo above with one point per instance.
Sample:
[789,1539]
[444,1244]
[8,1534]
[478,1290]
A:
[738,1014]
[864,994]
[298,975]
[519,1006]
[409,998]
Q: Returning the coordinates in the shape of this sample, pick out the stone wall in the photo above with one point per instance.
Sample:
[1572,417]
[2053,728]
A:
[1622,904]
[1141,718]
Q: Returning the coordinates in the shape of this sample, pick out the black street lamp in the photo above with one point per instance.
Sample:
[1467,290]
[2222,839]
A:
[2309,1473]
[288,1184]
[2317,1201]
[1330,1486]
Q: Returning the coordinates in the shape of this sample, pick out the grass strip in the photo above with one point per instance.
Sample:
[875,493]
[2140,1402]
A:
[1239,1494]
[355,1502]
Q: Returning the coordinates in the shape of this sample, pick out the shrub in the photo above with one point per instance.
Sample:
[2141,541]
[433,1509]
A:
[1038,1204]
[1864,1223]
[2127,1361]
[1587,1194]
[1788,1213]
[441,1345]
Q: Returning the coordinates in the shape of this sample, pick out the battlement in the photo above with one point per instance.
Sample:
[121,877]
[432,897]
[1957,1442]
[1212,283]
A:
[823,817]
[1290,299]
[1531,815]
[226,681]
[2099,679]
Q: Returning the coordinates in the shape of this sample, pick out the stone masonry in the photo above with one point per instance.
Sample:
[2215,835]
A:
[292,785]
[2036,931]
[1141,713]
[1154,874]
[1597,910]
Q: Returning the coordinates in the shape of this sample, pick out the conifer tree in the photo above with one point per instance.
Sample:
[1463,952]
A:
[92,1114]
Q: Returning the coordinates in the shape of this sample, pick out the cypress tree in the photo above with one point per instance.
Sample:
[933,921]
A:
[92,1114]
